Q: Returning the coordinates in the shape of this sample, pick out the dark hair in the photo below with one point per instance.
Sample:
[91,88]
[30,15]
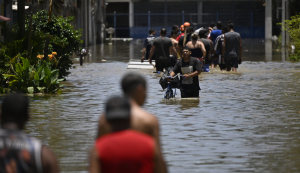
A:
[186,48]
[212,24]
[151,31]
[15,109]
[190,29]
[130,82]
[219,25]
[230,21]
[174,27]
[203,33]
[225,29]
[173,32]
[230,26]
[163,31]
[194,37]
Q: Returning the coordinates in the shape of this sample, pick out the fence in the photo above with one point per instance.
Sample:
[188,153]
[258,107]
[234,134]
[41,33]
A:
[249,25]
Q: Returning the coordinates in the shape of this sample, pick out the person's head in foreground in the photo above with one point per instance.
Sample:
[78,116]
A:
[14,112]
[186,52]
[117,113]
[134,86]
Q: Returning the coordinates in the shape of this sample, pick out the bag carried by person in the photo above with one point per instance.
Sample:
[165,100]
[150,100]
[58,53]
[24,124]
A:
[163,81]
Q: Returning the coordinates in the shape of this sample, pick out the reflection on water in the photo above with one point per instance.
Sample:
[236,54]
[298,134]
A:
[243,122]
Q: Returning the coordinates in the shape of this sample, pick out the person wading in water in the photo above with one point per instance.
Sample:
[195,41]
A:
[135,87]
[197,48]
[232,49]
[124,149]
[190,68]
[21,153]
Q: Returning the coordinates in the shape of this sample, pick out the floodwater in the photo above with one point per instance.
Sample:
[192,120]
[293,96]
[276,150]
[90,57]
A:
[243,122]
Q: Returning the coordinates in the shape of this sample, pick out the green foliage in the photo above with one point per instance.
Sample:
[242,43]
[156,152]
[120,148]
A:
[293,27]
[65,39]
[38,78]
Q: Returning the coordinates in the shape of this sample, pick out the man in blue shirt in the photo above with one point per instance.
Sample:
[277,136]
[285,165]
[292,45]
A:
[148,42]
[213,36]
[215,33]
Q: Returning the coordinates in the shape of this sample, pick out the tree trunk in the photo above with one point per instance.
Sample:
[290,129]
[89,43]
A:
[21,18]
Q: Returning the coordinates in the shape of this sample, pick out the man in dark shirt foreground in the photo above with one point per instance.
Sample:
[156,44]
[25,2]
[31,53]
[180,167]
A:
[190,68]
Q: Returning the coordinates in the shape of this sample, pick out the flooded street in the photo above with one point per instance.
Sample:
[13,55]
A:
[243,122]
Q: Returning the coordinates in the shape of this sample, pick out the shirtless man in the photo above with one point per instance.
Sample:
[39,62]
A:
[175,44]
[134,86]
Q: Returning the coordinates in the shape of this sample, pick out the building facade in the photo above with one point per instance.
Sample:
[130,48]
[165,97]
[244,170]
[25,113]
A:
[133,18]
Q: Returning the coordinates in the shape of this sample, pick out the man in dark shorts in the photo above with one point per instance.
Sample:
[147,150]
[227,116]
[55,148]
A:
[219,48]
[148,42]
[124,150]
[162,46]
[232,48]
[207,44]
[190,68]
[20,152]
[213,36]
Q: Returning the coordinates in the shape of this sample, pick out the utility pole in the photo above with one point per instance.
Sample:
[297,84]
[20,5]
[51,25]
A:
[268,20]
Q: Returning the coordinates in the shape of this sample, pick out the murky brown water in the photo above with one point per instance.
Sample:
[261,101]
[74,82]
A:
[243,122]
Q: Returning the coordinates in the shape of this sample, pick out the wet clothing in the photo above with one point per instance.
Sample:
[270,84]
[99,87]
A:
[196,53]
[162,52]
[173,60]
[214,34]
[19,152]
[148,43]
[189,86]
[219,49]
[126,151]
[188,38]
[232,62]
[232,48]
[207,45]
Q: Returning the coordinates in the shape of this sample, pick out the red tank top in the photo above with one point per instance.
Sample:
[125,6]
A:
[126,151]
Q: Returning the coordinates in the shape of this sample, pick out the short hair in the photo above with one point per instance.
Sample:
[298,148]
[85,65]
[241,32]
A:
[186,48]
[203,33]
[190,29]
[173,32]
[194,37]
[15,109]
[229,21]
[174,27]
[212,24]
[151,31]
[219,25]
[230,26]
[130,82]
[163,31]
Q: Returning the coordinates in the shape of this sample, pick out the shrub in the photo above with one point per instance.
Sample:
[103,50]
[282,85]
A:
[65,39]
[39,78]
[293,27]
